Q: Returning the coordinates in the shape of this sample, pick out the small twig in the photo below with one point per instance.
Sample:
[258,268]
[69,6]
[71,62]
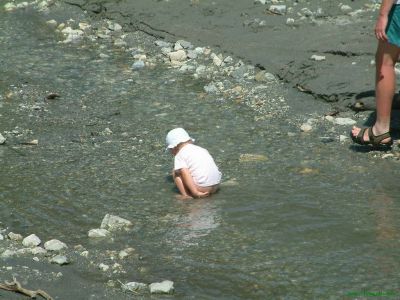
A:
[15,286]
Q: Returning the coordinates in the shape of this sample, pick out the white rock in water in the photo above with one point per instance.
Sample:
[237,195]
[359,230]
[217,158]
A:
[134,286]
[179,55]
[290,21]
[343,138]
[8,253]
[98,233]
[183,44]
[111,223]
[2,139]
[10,6]
[52,23]
[114,27]
[38,250]
[15,236]
[1,237]
[346,8]
[318,57]
[278,9]
[260,1]
[211,88]
[306,127]
[31,241]
[165,287]
[120,43]
[139,64]
[103,267]
[216,59]
[162,44]
[344,121]
[54,245]
[72,35]
[60,260]
[126,252]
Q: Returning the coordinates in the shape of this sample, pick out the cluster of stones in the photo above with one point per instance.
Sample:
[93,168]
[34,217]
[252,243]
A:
[53,249]
[57,252]
[40,5]
[305,14]
[229,80]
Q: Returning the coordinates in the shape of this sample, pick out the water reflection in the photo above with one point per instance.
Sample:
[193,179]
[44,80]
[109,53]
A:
[198,219]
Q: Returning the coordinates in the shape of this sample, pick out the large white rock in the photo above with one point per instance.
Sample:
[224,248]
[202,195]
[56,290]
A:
[179,55]
[54,245]
[31,241]
[111,223]
[165,287]
[98,233]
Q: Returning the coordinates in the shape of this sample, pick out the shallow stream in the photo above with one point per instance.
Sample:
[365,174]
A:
[310,218]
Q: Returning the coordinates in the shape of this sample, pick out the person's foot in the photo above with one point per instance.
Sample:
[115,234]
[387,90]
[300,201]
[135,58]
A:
[365,137]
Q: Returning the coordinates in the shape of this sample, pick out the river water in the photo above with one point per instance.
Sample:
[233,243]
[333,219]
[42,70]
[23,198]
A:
[311,218]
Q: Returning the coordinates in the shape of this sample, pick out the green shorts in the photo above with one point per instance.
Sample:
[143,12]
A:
[393,27]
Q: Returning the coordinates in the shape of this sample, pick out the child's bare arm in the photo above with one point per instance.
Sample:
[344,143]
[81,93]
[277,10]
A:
[189,183]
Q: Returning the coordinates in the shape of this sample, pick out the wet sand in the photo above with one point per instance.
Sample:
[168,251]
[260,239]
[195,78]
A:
[343,36]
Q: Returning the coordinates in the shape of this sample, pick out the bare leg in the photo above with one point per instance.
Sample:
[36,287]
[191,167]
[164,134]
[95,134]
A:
[180,185]
[385,84]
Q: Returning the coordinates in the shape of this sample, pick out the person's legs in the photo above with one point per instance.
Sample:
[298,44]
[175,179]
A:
[385,84]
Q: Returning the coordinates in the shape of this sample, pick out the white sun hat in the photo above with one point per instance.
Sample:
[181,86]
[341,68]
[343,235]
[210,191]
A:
[177,136]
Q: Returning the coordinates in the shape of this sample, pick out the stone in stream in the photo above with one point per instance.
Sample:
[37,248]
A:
[98,233]
[31,241]
[60,260]
[8,253]
[248,157]
[38,251]
[112,223]
[15,236]
[54,245]
[134,286]
[2,139]
[165,287]
[179,55]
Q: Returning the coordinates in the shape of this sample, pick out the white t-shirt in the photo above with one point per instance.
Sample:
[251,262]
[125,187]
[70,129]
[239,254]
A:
[200,164]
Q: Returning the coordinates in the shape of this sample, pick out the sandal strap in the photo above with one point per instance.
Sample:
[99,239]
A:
[360,136]
[377,139]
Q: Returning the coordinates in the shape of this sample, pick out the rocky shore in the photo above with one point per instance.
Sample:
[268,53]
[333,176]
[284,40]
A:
[14,246]
[321,48]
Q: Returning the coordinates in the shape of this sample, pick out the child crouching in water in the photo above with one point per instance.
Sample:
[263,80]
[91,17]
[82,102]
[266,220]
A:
[195,172]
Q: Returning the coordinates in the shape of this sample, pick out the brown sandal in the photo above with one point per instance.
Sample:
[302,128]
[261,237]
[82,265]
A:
[374,140]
